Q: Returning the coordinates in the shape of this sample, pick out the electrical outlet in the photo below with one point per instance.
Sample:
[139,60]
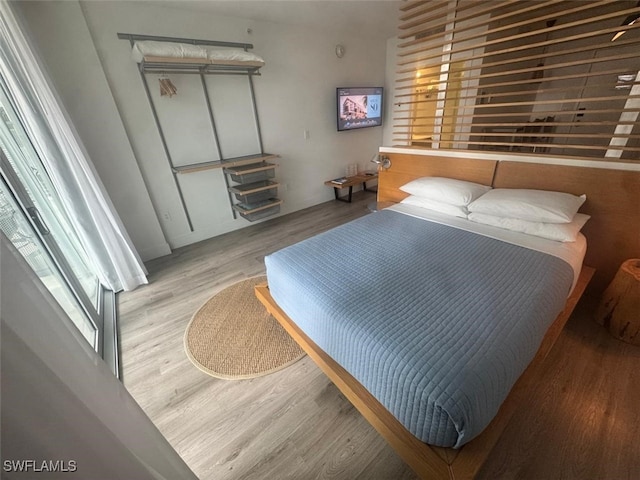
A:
[166,216]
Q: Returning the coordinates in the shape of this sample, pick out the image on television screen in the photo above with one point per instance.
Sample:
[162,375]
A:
[359,107]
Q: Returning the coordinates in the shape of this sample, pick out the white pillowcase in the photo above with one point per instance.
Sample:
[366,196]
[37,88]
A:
[445,190]
[531,205]
[434,205]
[561,232]
[237,55]
[150,48]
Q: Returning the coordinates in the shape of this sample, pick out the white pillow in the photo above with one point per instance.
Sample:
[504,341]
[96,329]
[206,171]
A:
[441,207]
[150,48]
[237,55]
[531,205]
[560,232]
[445,190]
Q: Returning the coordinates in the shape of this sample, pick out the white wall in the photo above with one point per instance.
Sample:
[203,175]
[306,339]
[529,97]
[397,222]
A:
[296,92]
[61,37]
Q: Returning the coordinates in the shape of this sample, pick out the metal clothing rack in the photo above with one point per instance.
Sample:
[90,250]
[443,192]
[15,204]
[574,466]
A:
[201,69]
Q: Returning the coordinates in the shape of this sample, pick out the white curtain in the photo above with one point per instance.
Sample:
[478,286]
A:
[99,228]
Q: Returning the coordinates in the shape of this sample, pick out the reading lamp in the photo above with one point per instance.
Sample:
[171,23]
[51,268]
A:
[630,20]
[381,160]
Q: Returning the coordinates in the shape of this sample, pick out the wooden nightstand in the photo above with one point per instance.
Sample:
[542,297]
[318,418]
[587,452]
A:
[350,182]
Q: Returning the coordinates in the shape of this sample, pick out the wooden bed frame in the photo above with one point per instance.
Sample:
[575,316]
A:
[427,461]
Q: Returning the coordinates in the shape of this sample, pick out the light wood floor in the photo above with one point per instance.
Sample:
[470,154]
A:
[582,423]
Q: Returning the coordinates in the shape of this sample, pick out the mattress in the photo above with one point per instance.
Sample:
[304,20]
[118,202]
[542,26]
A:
[437,322]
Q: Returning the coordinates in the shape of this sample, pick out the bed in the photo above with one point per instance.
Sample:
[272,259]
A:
[429,324]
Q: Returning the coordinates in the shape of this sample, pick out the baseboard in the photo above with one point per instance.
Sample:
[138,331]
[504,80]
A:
[154,251]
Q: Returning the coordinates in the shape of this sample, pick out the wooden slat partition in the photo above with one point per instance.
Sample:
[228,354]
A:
[466,68]
[519,36]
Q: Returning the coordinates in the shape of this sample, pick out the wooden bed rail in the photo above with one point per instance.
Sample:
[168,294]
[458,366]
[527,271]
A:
[424,459]
[427,461]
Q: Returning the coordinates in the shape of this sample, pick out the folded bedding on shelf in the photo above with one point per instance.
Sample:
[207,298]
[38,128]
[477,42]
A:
[149,48]
[142,50]
[218,55]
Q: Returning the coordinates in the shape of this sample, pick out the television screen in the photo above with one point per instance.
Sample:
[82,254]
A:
[359,107]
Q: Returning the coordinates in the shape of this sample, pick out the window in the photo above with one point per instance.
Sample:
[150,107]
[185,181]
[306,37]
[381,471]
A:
[34,220]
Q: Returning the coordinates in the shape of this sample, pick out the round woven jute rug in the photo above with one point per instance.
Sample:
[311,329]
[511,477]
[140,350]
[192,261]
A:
[233,337]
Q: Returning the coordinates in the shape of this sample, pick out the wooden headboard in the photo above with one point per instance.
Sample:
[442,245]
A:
[613,198]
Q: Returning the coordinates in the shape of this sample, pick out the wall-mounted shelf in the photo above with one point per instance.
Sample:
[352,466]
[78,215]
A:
[187,65]
[229,162]
[249,169]
[258,210]
[252,172]
[255,190]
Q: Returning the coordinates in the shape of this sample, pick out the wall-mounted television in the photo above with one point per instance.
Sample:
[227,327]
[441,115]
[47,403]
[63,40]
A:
[359,107]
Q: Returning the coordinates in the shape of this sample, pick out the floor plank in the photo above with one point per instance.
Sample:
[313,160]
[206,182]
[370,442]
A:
[581,423]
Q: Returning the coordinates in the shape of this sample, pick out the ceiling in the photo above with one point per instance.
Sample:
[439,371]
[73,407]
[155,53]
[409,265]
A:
[371,18]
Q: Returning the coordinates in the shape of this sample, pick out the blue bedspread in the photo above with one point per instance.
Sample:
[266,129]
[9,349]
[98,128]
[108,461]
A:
[436,322]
